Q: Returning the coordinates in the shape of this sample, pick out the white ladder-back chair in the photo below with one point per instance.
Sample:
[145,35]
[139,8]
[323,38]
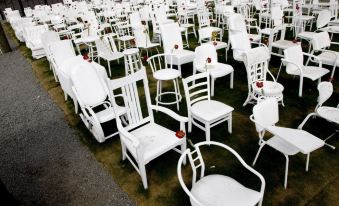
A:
[207,52]
[256,63]
[294,61]
[330,114]
[202,111]
[217,189]
[142,139]
[288,141]
[91,92]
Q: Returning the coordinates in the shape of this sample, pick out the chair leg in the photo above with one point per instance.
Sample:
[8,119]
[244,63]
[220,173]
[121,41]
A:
[183,148]
[158,92]
[189,124]
[286,171]
[109,68]
[176,93]
[123,150]
[257,155]
[307,162]
[65,95]
[301,87]
[229,124]
[208,132]
[212,86]
[142,170]
[231,80]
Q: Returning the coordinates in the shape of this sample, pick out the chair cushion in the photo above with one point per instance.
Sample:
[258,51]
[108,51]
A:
[166,74]
[220,190]
[270,89]
[155,140]
[210,110]
[329,113]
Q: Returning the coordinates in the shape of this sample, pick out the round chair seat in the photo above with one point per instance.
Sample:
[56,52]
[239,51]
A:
[166,74]
[270,89]
[220,190]
[329,113]
[219,70]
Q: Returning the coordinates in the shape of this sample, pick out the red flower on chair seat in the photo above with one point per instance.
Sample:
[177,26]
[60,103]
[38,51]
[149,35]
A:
[215,43]
[259,84]
[176,46]
[85,56]
[208,60]
[145,58]
[251,39]
[143,22]
[295,41]
[180,134]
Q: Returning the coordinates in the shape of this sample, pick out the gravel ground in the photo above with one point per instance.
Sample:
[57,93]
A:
[42,160]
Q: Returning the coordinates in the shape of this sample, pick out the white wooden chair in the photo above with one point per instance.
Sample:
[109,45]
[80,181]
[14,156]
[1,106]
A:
[143,41]
[257,62]
[288,141]
[202,111]
[330,114]
[207,36]
[172,43]
[294,61]
[143,139]
[217,189]
[214,68]
[91,92]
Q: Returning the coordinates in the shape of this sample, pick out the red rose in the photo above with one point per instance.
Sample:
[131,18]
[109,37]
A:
[209,60]
[251,39]
[259,84]
[180,134]
[215,43]
[145,58]
[295,41]
[85,56]
[297,7]
[143,23]
[176,46]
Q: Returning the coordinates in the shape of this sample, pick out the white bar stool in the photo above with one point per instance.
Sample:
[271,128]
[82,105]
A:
[132,61]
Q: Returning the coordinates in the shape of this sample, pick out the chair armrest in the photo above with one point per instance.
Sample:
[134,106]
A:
[315,57]
[170,113]
[269,72]
[331,52]
[125,134]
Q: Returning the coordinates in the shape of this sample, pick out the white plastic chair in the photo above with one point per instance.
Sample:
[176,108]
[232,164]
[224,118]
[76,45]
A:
[257,62]
[320,42]
[216,189]
[265,116]
[214,68]
[330,114]
[294,61]
[171,38]
[143,139]
[91,92]
[202,111]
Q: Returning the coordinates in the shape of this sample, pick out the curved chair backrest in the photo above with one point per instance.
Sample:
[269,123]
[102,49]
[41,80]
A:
[196,92]
[47,38]
[171,36]
[256,62]
[204,19]
[89,86]
[160,61]
[237,23]
[324,17]
[294,54]
[325,91]
[266,113]
[321,40]
[202,53]
[61,50]
[240,44]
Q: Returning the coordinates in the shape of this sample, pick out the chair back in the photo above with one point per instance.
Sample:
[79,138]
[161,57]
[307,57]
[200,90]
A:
[171,36]
[197,88]
[321,40]
[127,88]
[47,38]
[204,20]
[135,19]
[325,91]
[61,50]
[256,62]
[202,53]
[142,38]
[237,23]
[294,54]
[160,61]
[240,44]
[109,40]
[324,17]
[89,87]
[266,113]
[102,47]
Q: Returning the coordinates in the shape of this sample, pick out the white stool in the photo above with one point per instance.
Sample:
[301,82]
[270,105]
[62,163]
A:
[162,72]
[132,61]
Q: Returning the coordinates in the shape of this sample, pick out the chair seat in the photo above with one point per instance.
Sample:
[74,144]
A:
[218,45]
[220,190]
[219,70]
[111,55]
[210,110]
[329,113]
[331,29]
[125,38]
[306,35]
[182,56]
[154,140]
[255,37]
[328,58]
[166,74]
[270,89]
[314,73]
[109,114]
[283,44]
[282,146]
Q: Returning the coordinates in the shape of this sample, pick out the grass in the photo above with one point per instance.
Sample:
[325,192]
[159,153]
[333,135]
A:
[316,187]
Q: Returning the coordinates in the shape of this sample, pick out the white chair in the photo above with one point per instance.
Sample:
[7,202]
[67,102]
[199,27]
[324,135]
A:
[285,140]
[217,189]
[91,92]
[104,52]
[214,68]
[330,114]
[207,35]
[46,39]
[143,139]
[277,42]
[202,111]
[204,21]
[294,61]
[320,42]
[142,40]
[237,24]
[163,71]
[33,40]
[256,63]
[172,43]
